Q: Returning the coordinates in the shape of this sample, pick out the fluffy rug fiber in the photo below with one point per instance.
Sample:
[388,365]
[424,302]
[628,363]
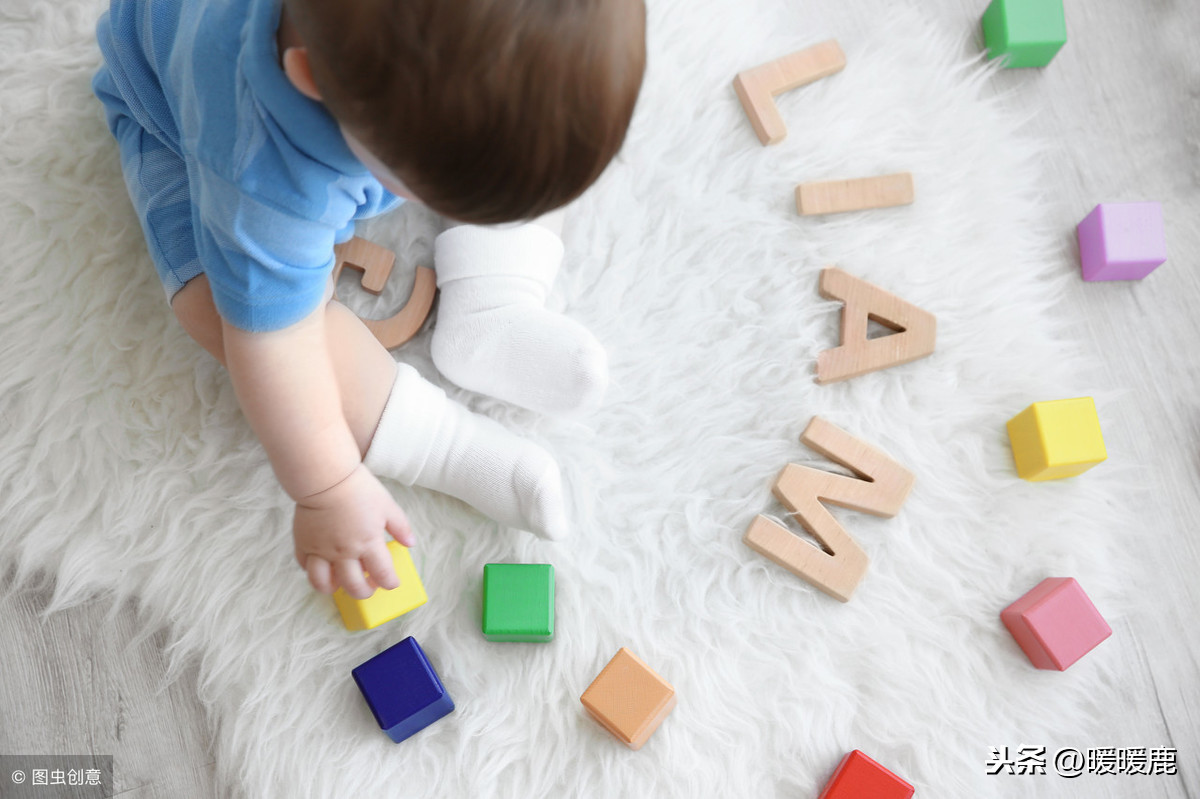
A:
[129,472]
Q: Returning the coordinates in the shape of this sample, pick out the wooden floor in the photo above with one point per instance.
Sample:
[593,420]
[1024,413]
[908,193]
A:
[1121,109]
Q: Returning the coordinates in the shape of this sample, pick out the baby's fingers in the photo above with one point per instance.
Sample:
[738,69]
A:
[378,564]
[349,575]
[319,574]
[399,528]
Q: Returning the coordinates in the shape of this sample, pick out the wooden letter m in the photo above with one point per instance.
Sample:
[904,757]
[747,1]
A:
[881,489]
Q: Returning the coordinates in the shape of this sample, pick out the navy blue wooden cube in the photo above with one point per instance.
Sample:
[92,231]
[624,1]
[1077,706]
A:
[403,690]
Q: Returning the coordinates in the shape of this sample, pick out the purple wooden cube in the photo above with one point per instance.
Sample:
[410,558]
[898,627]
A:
[1122,241]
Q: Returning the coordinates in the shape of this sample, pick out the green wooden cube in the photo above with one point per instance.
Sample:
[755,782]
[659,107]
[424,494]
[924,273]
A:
[1029,32]
[518,602]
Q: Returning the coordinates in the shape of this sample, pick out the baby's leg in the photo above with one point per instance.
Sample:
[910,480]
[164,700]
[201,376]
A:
[408,430]
[364,369]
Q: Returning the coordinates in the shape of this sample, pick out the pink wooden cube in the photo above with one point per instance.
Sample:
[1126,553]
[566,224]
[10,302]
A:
[1055,623]
[1122,241]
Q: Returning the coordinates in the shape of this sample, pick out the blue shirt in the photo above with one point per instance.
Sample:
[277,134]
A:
[273,185]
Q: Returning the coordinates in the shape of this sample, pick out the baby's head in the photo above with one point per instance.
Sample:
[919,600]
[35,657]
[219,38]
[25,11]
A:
[489,111]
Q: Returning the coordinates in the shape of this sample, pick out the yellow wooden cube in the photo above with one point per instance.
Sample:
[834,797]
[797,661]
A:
[383,606]
[1056,439]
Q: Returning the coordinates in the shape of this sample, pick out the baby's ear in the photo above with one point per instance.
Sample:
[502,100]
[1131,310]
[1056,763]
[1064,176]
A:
[299,72]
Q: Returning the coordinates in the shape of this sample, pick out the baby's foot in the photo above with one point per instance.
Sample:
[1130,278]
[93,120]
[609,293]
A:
[426,439]
[493,334]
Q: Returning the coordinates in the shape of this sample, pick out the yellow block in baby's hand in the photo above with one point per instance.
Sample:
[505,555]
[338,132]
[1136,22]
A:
[1056,439]
[383,606]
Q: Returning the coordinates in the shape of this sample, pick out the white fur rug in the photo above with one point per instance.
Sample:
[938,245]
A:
[127,469]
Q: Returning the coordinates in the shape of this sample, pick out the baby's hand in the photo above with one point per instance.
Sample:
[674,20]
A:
[339,534]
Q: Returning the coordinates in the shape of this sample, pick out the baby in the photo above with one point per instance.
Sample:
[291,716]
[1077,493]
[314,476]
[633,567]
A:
[253,135]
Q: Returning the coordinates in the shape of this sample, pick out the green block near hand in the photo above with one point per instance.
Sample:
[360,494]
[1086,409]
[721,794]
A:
[1029,33]
[518,602]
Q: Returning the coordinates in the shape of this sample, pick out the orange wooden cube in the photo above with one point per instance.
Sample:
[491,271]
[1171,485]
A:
[629,699]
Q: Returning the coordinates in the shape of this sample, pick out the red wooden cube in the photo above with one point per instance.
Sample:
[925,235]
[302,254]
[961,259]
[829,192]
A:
[860,777]
[1055,623]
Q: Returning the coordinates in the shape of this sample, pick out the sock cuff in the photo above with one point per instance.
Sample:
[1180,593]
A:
[407,427]
[528,250]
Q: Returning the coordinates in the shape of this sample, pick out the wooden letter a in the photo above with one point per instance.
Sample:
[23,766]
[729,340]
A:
[881,491]
[857,355]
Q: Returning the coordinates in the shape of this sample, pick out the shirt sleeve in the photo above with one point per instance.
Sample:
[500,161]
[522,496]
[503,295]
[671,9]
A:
[268,267]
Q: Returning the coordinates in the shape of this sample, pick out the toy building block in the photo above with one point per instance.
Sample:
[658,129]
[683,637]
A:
[1055,624]
[839,567]
[376,264]
[629,699]
[402,690]
[1122,241]
[518,602]
[1052,440]
[1029,33]
[857,354]
[858,194]
[757,87]
[860,777]
[383,606]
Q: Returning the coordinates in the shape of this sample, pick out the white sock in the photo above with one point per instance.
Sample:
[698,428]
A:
[424,438]
[493,334]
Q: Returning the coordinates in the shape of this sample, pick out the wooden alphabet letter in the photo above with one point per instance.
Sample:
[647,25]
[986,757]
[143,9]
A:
[376,264]
[757,87]
[915,337]
[858,194]
[881,490]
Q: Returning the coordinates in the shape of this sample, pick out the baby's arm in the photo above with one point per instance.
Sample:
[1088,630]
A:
[285,383]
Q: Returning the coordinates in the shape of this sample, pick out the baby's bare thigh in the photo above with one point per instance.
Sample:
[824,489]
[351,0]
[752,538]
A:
[197,314]
[194,308]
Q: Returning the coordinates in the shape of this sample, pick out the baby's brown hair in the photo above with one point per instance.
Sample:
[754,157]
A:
[489,110]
